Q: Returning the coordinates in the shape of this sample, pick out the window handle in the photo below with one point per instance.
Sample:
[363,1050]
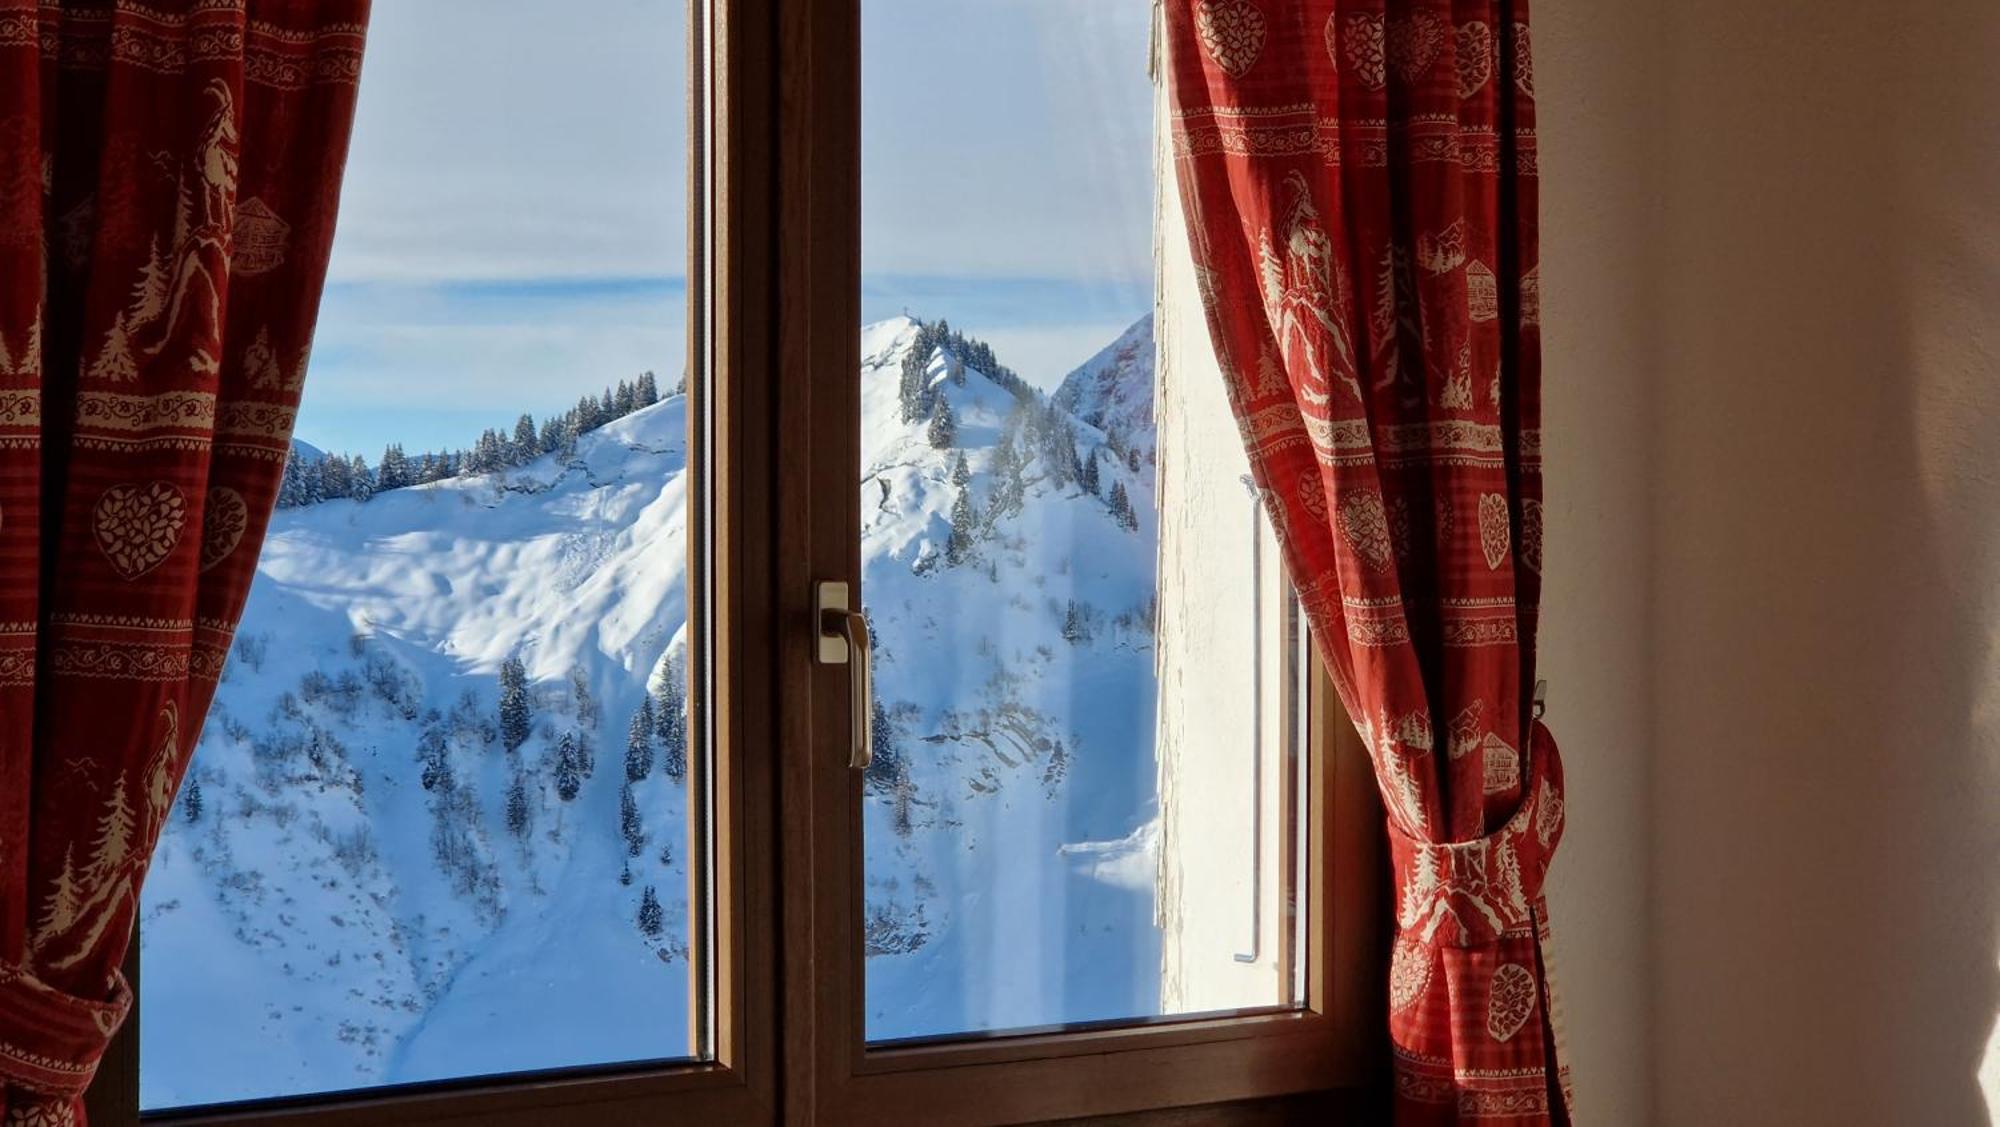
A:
[844,640]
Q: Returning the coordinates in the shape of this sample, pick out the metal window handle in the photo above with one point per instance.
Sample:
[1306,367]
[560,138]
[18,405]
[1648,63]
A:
[844,640]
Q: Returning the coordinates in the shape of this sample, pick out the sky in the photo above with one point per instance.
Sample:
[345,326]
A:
[513,220]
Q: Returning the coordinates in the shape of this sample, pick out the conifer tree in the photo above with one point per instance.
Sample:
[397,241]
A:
[289,487]
[312,482]
[569,768]
[639,745]
[334,472]
[191,800]
[961,472]
[885,761]
[1088,478]
[495,452]
[913,388]
[1121,508]
[647,392]
[394,471]
[629,822]
[527,444]
[517,716]
[943,429]
[905,792]
[652,919]
[910,387]
[1076,624]
[670,721]
[517,808]
[958,543]
[360,482]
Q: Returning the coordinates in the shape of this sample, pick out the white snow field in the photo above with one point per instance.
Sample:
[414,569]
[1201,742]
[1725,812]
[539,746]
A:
[361,899]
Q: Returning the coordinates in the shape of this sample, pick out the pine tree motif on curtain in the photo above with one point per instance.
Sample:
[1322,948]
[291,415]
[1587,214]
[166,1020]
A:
[168,181]
[1360,183]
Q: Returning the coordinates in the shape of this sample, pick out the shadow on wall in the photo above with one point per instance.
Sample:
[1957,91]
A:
[1827,721]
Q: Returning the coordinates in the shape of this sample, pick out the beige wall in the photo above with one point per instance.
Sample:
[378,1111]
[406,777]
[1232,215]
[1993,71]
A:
[1826,596]
[1596,73]
[1773,286]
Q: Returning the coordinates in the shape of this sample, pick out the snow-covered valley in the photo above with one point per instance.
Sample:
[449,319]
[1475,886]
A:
[436,823]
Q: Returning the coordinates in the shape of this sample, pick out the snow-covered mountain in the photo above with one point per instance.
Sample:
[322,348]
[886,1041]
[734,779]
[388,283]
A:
[402,856]
[1113,390]
[352,904]
[1011,599]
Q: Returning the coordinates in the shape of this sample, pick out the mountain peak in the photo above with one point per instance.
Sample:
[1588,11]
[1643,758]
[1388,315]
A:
[1113,390]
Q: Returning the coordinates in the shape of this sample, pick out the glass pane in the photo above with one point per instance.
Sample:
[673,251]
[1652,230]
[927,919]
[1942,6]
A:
[1084,800]
[438,823]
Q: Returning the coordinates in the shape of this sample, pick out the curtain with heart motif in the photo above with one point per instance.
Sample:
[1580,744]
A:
[168,180]
[1359,178]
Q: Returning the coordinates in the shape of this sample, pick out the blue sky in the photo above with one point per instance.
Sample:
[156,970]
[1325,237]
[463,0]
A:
[512,228]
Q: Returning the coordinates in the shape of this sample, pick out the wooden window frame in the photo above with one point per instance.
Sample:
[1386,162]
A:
[1330,1047]
[778,268]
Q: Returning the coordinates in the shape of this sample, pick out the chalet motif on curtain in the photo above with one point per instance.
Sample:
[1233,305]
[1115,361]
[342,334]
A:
[1360,183]
[168,181]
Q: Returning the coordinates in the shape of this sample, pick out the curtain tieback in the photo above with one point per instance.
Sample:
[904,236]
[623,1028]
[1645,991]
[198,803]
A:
[50,1042]
[1471,893]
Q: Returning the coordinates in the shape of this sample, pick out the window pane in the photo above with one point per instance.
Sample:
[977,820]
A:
[1084,800]
[438,823]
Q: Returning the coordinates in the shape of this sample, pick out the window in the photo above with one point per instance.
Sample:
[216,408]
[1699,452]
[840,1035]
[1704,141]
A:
[456,820]
[527,781]
[1053,832]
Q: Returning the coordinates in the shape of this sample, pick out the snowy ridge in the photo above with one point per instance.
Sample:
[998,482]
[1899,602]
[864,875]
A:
[1113,390]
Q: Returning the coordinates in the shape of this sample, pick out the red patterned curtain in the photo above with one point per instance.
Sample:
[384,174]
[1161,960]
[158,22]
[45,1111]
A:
[1359,179]
[168,180]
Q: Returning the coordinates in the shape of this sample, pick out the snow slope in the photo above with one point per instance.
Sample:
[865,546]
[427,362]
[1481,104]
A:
[353,905]
[318,940]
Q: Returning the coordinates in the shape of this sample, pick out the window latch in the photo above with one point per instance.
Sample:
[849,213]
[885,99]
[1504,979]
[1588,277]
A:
[843,640]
